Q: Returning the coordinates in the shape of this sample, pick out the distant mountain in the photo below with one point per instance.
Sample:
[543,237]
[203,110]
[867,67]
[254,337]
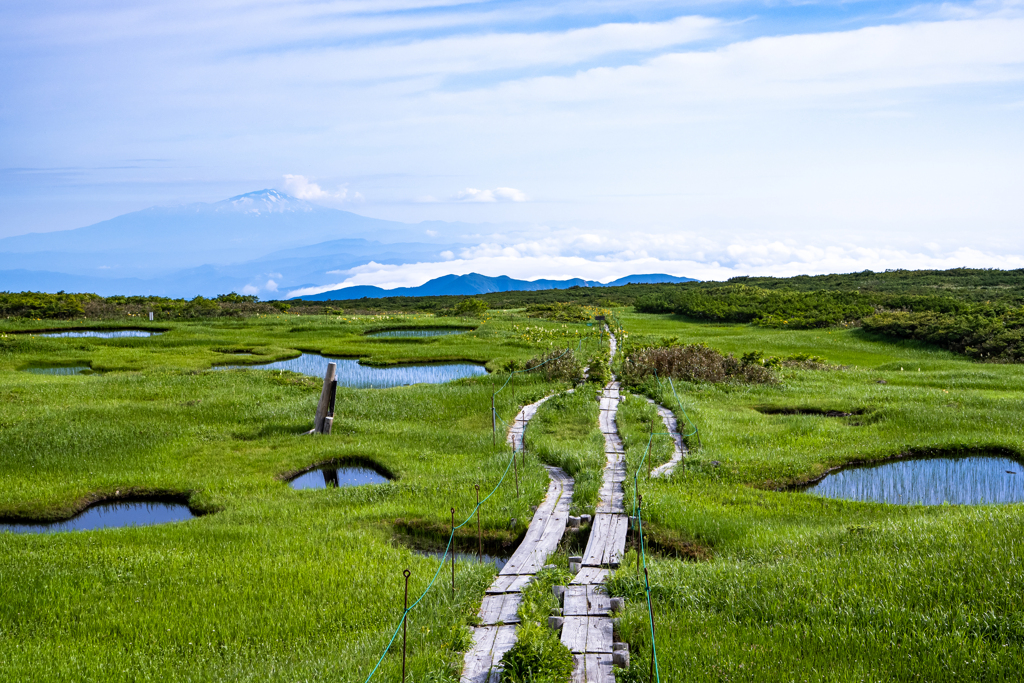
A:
[159,240]
[474,283]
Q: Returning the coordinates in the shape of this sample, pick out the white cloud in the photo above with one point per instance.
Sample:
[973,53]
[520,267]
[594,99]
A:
[431,233]
[301,187]
[249,290]
[701,259]
[498,194]
[271,286]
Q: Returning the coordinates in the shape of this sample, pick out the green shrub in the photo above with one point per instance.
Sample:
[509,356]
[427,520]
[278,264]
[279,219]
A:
[558,366]
[693,363]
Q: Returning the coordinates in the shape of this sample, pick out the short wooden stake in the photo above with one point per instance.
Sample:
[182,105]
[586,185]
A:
[325,398]
[405,620]
[479,533]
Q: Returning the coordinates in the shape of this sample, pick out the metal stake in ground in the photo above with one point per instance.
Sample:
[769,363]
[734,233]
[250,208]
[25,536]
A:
[405,620]
[479,533]
[654,661]
[640,531]
[515,467]
[453,552]
[494,423]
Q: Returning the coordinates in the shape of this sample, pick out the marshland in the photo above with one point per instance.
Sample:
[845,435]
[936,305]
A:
[752,577]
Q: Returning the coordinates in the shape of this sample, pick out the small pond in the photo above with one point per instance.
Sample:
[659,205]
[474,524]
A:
[353,374]
[497,561]
[334,477]
[969,480]
[400,334]
[68,370]
[107,515]
[102,334]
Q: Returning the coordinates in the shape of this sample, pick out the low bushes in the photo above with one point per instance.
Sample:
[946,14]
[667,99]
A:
[693,363]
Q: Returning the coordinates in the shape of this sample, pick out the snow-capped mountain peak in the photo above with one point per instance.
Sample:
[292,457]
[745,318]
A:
[263,202]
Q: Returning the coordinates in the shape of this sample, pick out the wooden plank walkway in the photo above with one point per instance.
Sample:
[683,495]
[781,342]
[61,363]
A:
[587,630]
[496,634]
[678,447]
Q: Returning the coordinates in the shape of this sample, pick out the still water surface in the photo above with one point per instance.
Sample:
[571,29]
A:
[928,481]
[102,334]
[71,370]
[107,515]
[497,561]
[352,374]
[333,477]
[416,333]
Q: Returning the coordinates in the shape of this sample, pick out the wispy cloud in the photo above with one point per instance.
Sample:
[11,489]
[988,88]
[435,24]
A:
[498,194]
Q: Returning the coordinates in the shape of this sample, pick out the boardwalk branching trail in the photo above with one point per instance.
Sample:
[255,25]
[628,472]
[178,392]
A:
[678,447]
[587,630]
[496,633]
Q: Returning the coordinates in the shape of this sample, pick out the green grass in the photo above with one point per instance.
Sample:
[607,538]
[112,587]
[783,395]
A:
[272,583]
[802,588]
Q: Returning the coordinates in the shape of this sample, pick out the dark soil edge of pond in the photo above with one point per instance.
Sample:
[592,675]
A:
[127,495]
[668,543]
[909,454]
[338,463]
[425,534]
[808,410]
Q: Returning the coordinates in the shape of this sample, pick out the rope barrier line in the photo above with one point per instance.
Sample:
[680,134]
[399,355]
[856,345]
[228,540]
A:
[451,538]
[643,551]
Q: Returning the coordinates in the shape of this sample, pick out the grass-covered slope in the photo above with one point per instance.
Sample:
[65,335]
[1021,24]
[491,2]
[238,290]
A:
[802,588]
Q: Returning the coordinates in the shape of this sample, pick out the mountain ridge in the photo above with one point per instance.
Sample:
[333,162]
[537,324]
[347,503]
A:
[475,283]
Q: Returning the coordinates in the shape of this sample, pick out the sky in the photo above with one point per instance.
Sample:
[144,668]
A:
[699,138]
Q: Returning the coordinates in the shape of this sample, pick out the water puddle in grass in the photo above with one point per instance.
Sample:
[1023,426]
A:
[400,334]
[498,561]
[972,480]
[68,370]
[352,374]
[334,477]
[108,515]
[102,334]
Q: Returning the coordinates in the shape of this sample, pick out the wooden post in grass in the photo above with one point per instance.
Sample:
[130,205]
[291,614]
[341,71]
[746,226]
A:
[494,423]
[329,420]
[325,398]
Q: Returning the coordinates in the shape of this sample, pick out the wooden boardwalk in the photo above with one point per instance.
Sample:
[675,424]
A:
[678,447]
[587,630]
[497,632]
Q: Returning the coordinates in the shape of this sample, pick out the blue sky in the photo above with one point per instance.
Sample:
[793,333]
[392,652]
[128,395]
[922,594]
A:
[595,137]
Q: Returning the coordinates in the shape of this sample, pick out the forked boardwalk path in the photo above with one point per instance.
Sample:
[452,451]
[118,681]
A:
[587,630]
[678,447]
[496,633]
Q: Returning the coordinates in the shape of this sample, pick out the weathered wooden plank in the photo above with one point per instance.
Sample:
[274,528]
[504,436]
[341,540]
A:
[574,603]
[476,667]
[500,608]
[615,548]
[505,583]
[592,668]
[574,633]
[599,634]
[598,602]
[590,575]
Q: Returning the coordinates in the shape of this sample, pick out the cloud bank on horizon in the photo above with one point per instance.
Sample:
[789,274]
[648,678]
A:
[589,139]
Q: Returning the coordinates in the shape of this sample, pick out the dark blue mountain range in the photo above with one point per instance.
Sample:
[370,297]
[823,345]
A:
[474,283]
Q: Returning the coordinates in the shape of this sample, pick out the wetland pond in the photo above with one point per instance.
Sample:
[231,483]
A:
[353,374]
[970,480]
[67,370]
[334,476]
[498,561]
[102,334]
[108,515]
[427,332]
